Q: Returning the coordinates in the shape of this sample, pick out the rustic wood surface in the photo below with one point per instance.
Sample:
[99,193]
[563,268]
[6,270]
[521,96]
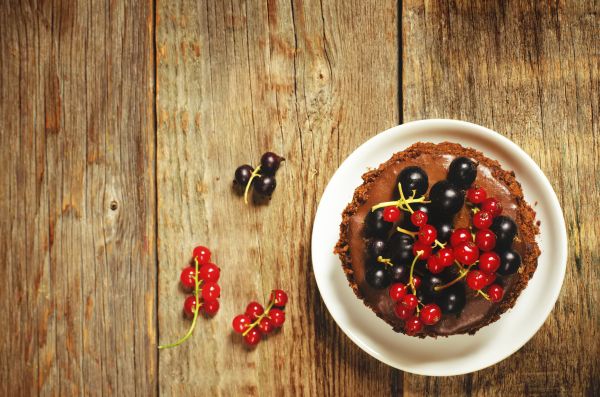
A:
[121,124]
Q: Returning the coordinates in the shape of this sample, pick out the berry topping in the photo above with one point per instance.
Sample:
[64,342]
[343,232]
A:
[277,317]
[445,257]
[254,310]
[505,229]
[416,282]
[466,253]
[402,312]
[243,174]
[418,218]
[397,291]
[444,231]
[489,262]
[410,301]
[391,214]
[188,278]
[189,306]
[462,172]
[378,277]
[482,220]
[509,262]
[433,265]
[413,325]
[476,195]
[485,240]
[452,300]
[375,224]
[269,163]
[427,234]
[431,314]
[423,249]
[211,308]
[495,292]
[252,337]
[376,247]
[492,206]
[209,272]
[400,248]
[265,185]
[201,254]
[398,272]
[210,291]
[279,298]
[446,197]
[460,236]
[413,178]
[476,280]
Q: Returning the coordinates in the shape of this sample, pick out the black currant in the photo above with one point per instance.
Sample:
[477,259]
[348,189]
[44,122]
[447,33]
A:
[378,276]
[243,174]
[376,247]
[399,272]
[444,230]
[452,299]
[446,197]
[462,172]
[375,225]
[265,185]
[505,230]
[413,178]
[269,163]
[399,248]
[509,262]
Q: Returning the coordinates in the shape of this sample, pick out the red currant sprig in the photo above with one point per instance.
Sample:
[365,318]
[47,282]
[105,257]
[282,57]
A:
[257,321]
[202,278]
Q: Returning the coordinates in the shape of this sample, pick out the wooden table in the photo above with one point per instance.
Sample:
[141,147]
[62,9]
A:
[121,125]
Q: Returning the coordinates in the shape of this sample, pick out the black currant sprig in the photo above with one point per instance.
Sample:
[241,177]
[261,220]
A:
[262,178]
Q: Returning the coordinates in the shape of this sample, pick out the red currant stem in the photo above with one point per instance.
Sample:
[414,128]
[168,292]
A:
[462,274]
[386,261]
[252,176]
[475,210]
[439,244]
[459,265]
[486,296]
[412,268]
[197,290]
[257,321]
[402,202]
[412,234]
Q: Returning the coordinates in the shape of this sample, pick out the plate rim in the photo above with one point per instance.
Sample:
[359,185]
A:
[554,205]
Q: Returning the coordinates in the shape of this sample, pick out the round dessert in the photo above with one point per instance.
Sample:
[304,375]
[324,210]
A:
[438,240]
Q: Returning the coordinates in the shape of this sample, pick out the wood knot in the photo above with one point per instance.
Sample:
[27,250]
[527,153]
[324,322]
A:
[114,205]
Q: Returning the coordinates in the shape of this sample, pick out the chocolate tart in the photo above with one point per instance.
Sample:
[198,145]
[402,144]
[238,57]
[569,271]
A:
[380,185]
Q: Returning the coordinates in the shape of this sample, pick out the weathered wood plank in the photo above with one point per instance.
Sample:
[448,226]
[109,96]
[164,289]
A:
[310,81]
[530,70]
[77,235]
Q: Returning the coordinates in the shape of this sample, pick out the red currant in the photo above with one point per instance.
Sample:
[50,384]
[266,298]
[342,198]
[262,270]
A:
[489,262]
[466,253]
[209,272]
[427,234]
[391,214]
[492,206]
[489,278]
[476,280]
[433,265]
[210,291]
[410,301]
[279,297]
[445,257]
[211,307]
[413,325]
[397,291]
[252,337]
[202,254]
[495,292]
[418,218]
[265,325]
[482,220]
[460,236]
[476,195]
[416,282]
[240,323]
[431,314]
[189,306]
[485,239]
[424,249]
[277,317]
[402,311]
[188,279]
[254,310]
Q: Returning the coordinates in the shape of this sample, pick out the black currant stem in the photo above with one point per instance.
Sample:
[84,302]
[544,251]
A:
[410,276]
[386,261]
[196,311]
[252,176]
[412,234]
[486,296]
[257,321]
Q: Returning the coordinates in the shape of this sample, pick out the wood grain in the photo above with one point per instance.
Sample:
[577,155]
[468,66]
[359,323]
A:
[236,79]
[530,70]
[77,230]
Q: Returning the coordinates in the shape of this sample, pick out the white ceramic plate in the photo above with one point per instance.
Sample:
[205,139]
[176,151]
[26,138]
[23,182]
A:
[457,354]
